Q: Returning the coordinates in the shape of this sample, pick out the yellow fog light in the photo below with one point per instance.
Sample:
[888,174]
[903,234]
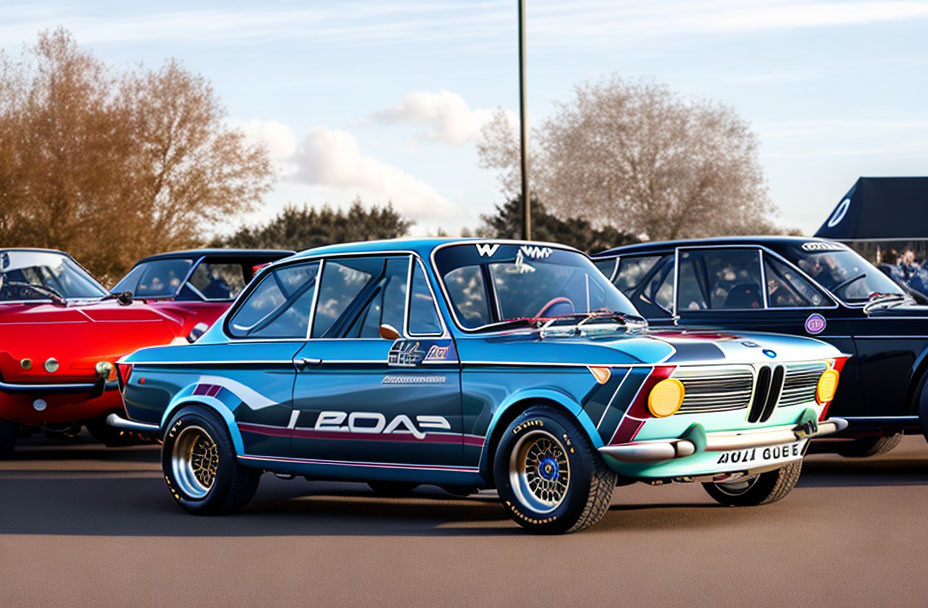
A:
[666,398]
[827,385]
[105,370]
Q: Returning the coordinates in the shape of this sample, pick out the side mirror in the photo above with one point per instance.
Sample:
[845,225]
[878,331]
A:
[388,332]
[198,330]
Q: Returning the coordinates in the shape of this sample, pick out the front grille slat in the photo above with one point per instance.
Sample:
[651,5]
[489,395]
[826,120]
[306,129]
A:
[730,388]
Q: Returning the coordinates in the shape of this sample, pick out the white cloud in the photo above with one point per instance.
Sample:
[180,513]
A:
[332,158]
[276,136]
[446,116]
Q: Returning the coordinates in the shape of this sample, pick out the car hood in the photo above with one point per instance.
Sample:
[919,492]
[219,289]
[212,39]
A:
[650,347]
[77,337]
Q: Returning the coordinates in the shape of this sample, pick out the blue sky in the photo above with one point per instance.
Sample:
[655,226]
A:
[383,99]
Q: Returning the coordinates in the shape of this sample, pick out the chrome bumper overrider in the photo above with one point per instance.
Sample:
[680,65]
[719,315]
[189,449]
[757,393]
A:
[51,389]
[131,425]
[697,440]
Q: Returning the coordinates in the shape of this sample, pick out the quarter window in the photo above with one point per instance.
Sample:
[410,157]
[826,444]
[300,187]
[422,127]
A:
[648,282]
[787,288]
[279,306]
[720,279]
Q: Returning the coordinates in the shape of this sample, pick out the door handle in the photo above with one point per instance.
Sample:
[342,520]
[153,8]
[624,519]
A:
[308,361]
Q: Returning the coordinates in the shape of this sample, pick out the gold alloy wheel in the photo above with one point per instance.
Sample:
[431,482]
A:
[539,472]
[195,462]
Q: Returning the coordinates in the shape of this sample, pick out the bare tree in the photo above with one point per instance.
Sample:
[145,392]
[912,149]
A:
[639,157]
[112,167]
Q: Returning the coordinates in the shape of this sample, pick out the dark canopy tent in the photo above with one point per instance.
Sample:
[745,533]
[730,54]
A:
[881,209]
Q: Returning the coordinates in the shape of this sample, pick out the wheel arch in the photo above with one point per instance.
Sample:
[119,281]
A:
[210,403]
[917,381]
[516,405]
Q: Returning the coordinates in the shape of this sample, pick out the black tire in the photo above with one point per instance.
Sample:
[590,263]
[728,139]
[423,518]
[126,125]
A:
[870,446]
[535,452]
[392,488]
[9,435]
[761,489]
[206,479]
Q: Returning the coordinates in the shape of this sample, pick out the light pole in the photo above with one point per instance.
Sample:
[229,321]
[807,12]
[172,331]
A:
[523,130]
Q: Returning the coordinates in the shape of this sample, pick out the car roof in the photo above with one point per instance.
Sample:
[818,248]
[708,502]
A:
[218,253]
[777,242]
[422,246]
[38,249]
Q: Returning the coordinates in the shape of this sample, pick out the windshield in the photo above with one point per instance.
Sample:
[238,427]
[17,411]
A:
[490,283]
[44,275]
[156,279]
[842,271]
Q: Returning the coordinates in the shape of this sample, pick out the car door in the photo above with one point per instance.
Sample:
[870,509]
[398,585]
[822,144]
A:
[365,399]
[266,330]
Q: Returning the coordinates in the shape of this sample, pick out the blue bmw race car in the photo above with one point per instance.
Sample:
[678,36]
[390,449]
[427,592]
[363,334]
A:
[473,364]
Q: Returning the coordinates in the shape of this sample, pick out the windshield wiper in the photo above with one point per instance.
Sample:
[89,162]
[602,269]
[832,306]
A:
[877,298]
[123,297]
[56,297]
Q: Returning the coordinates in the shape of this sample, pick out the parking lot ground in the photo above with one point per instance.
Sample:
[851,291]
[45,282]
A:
[83,525]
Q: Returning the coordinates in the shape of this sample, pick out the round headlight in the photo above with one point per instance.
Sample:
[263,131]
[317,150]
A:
[51,365]
[104,369]
[666,398]
[827,385]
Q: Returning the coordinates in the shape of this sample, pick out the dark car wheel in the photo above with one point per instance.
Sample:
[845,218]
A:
[9,434]
[549,476]
[870,446]
[200,467]
[761,489]
[392,488]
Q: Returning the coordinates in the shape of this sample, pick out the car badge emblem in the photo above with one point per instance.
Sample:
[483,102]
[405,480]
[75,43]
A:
[749,344]
[815,324]
[770,353]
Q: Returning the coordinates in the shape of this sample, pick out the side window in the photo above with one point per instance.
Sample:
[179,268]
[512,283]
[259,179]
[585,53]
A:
[723,279]
[468,296]
[787,288]
[162,278]
[606,266]
[129,282]
[384,304]
[423,316]
[357,295]
[279,306]
[218,281]
[648,282]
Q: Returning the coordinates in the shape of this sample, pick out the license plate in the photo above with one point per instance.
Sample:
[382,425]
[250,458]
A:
[761,456]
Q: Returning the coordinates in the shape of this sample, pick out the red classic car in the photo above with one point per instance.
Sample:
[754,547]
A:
[61,331]
[200,281]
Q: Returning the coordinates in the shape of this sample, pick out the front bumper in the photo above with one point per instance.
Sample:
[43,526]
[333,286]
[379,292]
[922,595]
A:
[93,388]
[697,440]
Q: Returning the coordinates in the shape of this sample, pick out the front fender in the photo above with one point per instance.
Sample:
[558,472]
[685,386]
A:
[528,396]
[186,397]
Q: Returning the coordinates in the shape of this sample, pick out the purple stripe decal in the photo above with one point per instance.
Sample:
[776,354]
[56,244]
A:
[374,465]
[279,431]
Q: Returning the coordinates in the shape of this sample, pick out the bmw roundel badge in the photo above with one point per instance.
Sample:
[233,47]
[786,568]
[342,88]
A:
[770,353]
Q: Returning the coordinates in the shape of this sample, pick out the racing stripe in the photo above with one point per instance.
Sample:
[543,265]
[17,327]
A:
[598,399]
[623,399]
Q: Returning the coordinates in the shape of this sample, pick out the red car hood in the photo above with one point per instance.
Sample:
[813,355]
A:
[78,337]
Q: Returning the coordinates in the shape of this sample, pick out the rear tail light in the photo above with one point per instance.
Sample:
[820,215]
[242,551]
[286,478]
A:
[123,373]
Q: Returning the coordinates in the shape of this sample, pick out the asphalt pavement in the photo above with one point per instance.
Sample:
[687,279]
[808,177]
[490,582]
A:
[84,525]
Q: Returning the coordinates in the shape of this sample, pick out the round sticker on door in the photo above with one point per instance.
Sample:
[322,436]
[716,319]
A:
[815,324]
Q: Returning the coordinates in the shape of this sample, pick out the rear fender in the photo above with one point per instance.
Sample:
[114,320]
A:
[185,398]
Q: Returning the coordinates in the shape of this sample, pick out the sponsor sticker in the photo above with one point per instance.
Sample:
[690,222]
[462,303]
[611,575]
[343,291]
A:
[815,324]
[822,246]
[487,250]
[536,252]
[436,353]
[405,353]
